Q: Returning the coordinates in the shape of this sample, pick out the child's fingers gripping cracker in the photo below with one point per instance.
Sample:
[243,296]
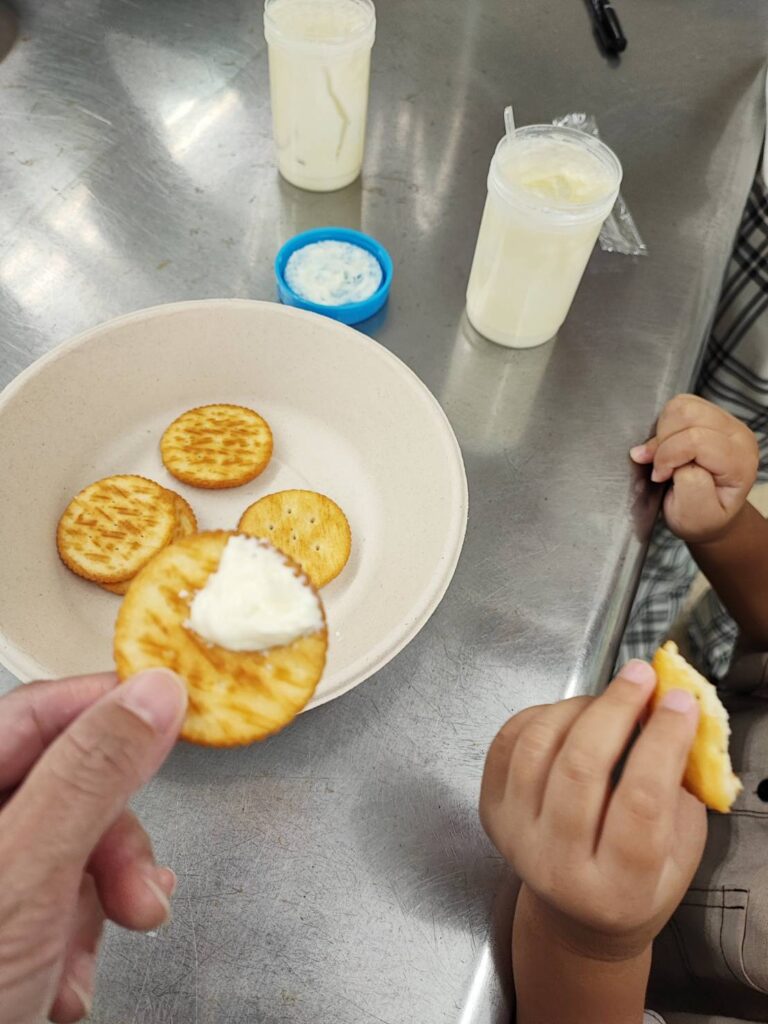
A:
[217,446]
[307,526]
[708,774]
[186,523]
[114,526]
[235,697]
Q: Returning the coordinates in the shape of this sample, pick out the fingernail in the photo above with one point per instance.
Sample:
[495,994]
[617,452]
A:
[80,979]
[638,452]
[160,896]
[167,880]
[656,476]
[158,696]
[83,997]
[637,671]
[678,700]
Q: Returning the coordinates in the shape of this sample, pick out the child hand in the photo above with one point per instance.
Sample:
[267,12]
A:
[609,864]
[711,459]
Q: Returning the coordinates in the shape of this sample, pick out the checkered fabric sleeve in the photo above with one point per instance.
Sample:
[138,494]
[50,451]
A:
[734,375]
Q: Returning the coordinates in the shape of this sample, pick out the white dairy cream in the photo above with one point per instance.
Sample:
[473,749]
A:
[254,600]
[333,273]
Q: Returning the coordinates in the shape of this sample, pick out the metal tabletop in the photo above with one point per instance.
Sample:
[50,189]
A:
[337,873]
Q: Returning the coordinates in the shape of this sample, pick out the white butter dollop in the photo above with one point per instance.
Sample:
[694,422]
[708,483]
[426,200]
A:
[333,273]
[253,600]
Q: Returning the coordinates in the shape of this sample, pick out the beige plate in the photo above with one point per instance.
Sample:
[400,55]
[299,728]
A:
[349,420]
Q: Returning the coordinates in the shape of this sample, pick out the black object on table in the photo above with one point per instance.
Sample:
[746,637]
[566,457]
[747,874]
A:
[607,26]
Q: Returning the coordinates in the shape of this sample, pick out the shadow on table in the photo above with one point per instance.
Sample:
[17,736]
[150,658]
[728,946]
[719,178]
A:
[9,28]
[426,844]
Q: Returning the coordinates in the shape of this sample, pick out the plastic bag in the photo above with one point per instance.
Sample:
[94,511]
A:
[619,233]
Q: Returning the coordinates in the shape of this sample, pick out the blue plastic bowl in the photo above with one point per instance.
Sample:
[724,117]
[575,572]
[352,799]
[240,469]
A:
[350,312]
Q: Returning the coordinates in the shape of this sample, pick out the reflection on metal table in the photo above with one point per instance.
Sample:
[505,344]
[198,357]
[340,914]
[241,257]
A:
[337,872]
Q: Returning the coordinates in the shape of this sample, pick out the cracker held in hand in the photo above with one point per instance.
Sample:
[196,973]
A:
[307,526]
[186,523]
[114,526]
[708,774]
[217,446]
[235,697]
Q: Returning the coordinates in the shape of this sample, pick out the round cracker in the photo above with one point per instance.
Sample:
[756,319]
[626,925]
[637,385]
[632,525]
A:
[235,697]
[186,523]
[186,520]
[216,446]
[708,773]
[121,588]
[114,526]
[309,527]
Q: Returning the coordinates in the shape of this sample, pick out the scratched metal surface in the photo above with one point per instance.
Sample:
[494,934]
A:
[336,873]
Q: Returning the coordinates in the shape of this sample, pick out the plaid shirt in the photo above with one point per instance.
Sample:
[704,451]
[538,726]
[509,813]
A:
[734,375]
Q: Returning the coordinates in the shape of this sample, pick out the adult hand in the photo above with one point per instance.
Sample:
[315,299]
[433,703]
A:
[72,752]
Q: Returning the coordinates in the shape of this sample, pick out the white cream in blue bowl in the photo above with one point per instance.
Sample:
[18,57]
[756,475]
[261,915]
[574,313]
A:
[341,273]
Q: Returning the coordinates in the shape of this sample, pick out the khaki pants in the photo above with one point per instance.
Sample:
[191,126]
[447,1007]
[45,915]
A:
[712,958]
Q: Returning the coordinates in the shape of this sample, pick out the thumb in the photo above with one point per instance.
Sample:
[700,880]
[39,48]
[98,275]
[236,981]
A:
[85,778]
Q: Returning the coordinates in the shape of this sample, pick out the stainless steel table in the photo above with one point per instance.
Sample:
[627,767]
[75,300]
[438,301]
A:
[337,873]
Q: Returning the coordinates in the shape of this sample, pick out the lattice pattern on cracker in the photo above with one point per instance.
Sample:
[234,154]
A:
[217,446]
[235,697]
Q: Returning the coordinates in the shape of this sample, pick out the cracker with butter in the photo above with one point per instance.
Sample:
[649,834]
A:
[216,446]
[239,622]
[307,526]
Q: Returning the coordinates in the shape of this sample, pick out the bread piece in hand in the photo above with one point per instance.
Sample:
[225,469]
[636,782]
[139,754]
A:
[708,774]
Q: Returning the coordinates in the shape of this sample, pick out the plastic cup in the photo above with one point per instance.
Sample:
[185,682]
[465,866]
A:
[319,69]
[549,191]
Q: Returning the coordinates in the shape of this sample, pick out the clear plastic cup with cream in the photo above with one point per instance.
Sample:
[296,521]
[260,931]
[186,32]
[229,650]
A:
[549,191]
[319,68]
